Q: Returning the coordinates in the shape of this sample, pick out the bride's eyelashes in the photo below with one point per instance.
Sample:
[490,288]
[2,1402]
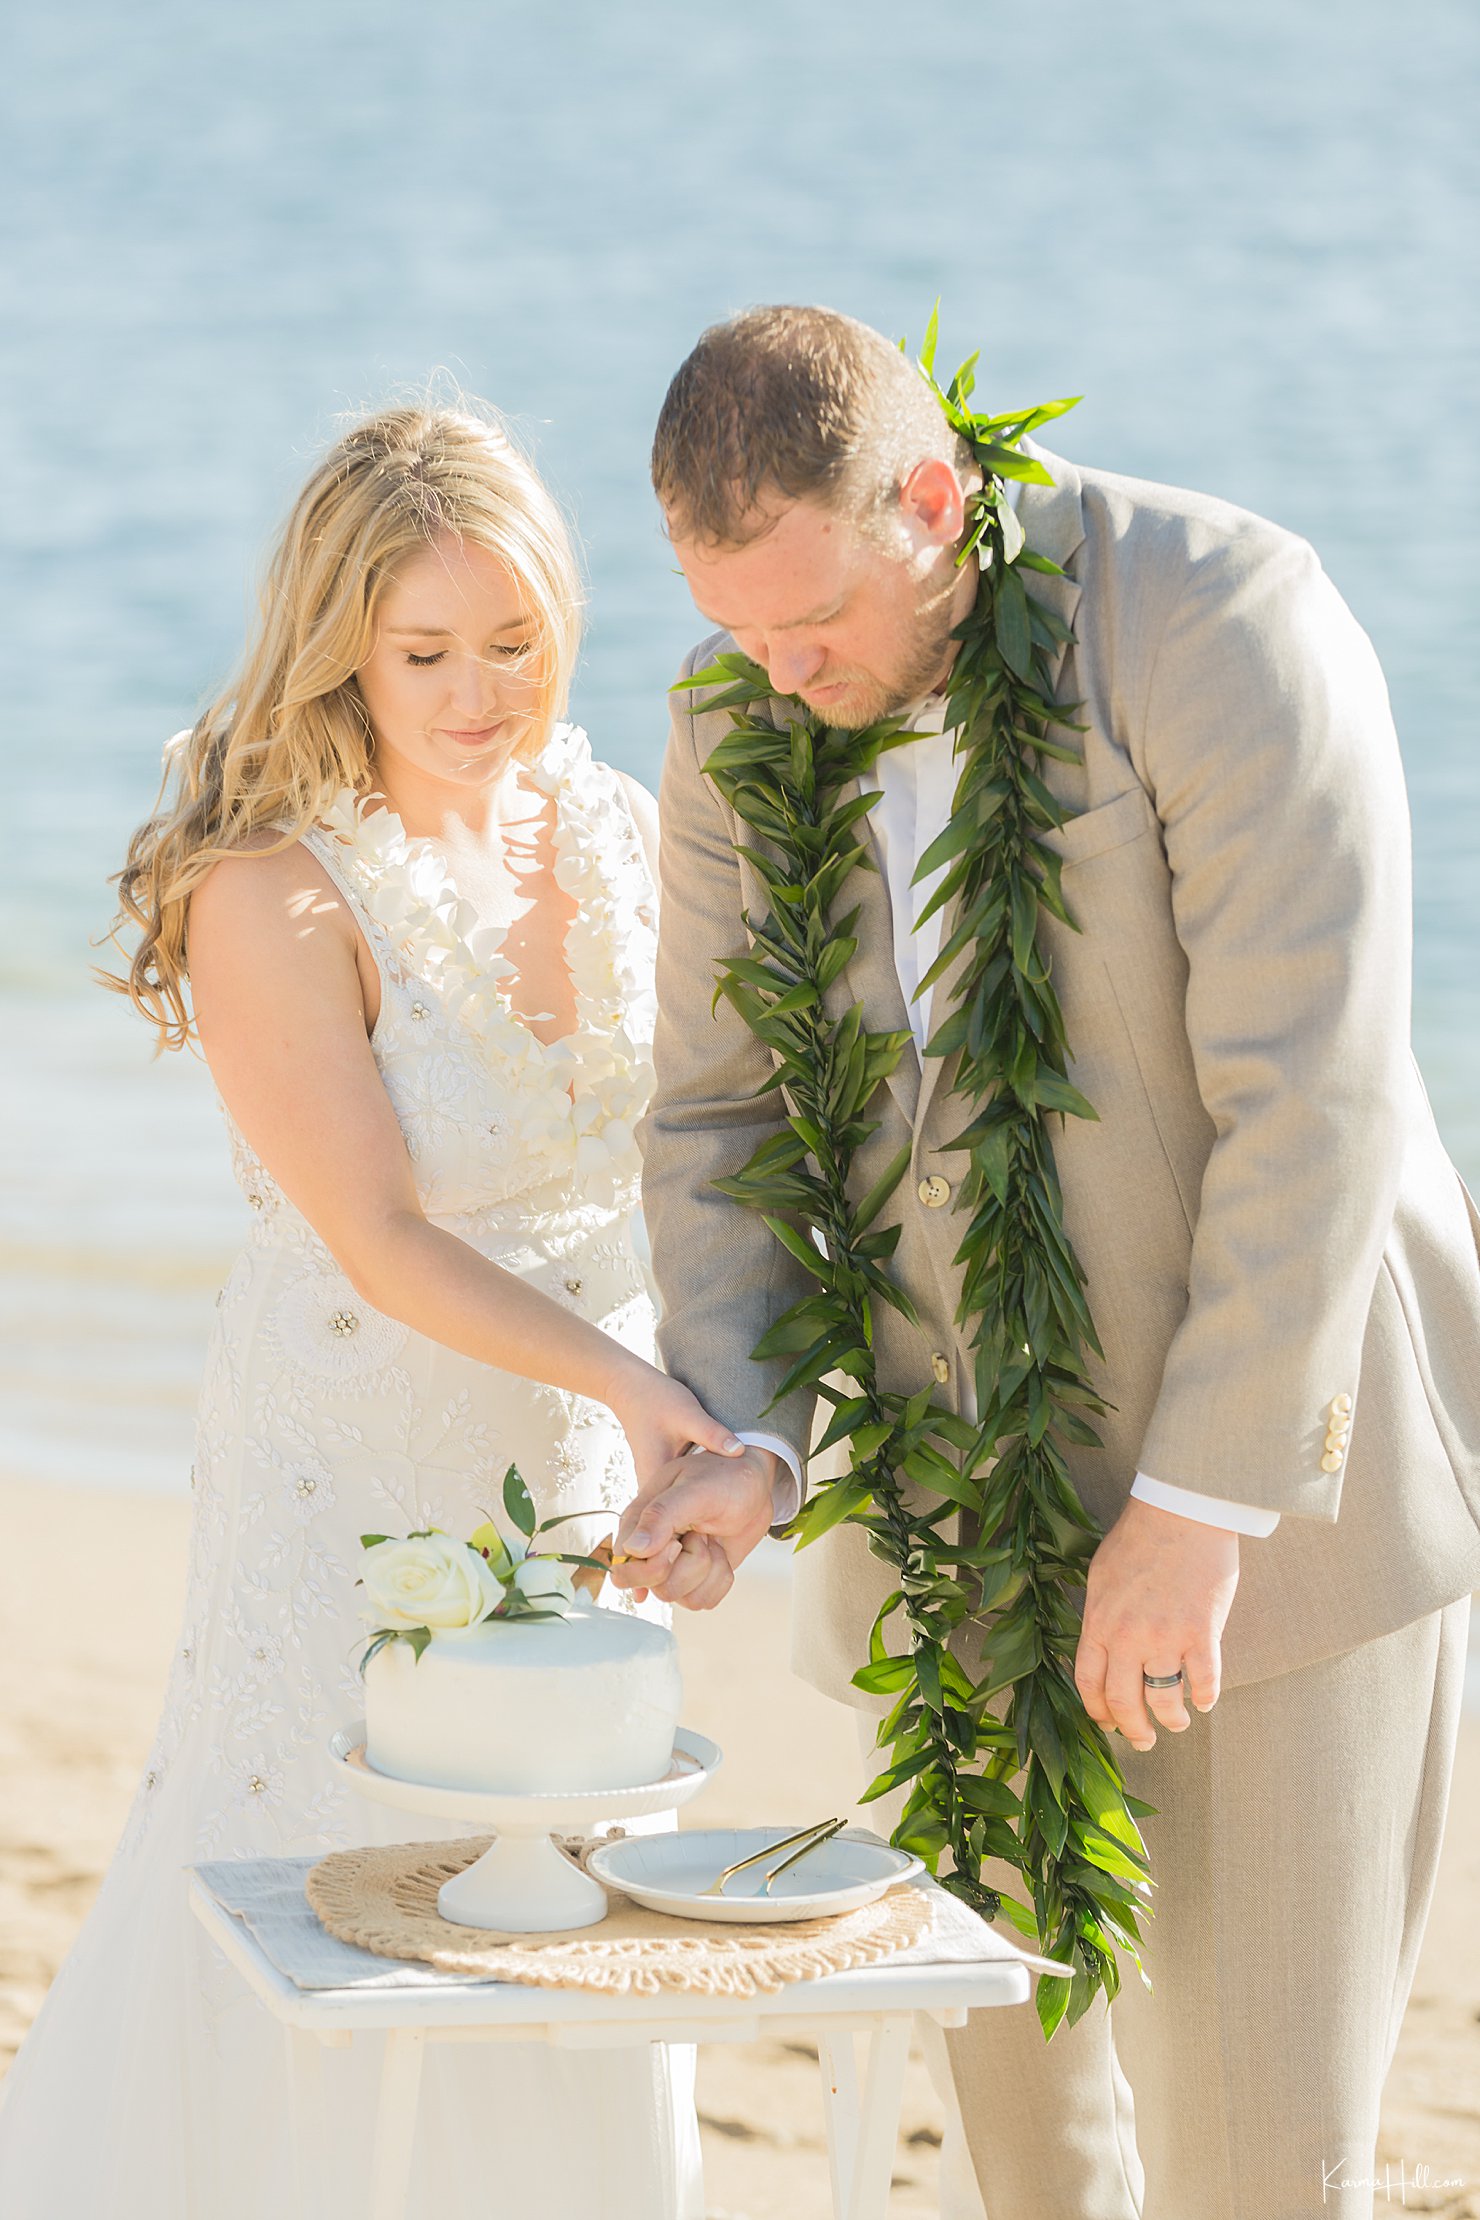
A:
[513,655]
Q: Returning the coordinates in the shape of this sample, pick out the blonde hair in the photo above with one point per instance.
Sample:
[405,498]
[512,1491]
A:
[292,732]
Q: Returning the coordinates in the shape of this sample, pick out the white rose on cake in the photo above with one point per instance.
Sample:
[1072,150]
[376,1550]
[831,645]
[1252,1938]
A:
[544,1580]
[429,1580]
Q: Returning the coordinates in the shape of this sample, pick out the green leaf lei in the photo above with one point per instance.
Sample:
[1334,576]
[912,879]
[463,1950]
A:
[1005,1580]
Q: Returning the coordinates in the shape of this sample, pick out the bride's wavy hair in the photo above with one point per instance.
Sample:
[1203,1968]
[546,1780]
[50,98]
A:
[292,731]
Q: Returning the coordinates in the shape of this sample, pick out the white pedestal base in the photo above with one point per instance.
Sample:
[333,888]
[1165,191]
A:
[524,1885]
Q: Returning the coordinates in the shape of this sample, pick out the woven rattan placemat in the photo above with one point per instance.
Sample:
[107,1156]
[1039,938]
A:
[385,1899]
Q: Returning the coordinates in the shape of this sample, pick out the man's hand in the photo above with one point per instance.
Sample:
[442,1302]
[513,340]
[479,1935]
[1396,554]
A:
[1159,1593]
[718,1508]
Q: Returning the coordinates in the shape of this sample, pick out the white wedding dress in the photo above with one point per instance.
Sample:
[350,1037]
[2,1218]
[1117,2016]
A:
[153,2087]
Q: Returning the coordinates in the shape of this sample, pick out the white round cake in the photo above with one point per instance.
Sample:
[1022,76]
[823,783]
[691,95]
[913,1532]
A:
[540,1706]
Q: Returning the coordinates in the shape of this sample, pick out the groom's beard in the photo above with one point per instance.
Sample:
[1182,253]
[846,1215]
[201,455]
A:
[927,650]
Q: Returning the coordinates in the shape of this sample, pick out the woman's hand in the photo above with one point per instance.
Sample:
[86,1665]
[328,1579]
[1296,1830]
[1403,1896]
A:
[662,1421]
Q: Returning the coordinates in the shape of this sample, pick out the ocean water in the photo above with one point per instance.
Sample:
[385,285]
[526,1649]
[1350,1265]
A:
[1248,237]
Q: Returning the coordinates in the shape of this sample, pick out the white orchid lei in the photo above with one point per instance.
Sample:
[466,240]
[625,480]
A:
[579,1097]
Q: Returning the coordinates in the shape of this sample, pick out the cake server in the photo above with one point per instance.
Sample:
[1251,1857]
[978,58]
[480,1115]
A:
[810,1838]
[834,1827]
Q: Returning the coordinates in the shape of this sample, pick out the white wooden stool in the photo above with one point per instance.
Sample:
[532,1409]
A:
[860,2107]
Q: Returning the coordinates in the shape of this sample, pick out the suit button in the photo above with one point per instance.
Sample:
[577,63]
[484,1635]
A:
[1331,1462]
[941,1367]
[934,1191]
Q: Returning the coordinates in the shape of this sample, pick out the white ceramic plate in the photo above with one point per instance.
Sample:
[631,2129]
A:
[667,1872]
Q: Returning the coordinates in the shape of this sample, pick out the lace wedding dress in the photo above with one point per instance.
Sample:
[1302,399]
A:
[153,2087]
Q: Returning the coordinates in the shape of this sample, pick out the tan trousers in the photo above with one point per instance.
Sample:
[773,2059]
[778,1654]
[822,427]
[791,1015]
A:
[1295,1848]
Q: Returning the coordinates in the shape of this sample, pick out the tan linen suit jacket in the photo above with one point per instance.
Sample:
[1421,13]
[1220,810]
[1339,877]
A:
[1264,1210]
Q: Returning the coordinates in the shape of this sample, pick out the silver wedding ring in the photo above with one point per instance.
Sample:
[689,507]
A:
[1163,1680]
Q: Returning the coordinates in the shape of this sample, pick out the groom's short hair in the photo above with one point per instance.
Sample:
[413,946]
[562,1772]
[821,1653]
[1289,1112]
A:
[785,404]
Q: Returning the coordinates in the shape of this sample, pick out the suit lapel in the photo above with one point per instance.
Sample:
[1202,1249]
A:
[942,1002]
[870,977]
[1053,520]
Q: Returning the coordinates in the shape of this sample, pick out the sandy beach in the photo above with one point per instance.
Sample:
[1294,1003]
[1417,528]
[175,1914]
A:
[83,1684]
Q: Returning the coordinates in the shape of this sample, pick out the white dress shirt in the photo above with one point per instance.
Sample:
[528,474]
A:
[916,786]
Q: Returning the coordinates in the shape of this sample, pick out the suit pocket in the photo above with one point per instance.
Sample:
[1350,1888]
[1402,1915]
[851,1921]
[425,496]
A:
[1109,825]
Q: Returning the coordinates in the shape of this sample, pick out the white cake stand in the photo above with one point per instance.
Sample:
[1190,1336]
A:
[522,1883]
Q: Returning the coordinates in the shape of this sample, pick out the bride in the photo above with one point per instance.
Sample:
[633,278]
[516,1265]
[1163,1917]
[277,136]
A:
[417,924]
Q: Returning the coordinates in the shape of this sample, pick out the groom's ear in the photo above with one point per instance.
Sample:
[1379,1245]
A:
[933,502]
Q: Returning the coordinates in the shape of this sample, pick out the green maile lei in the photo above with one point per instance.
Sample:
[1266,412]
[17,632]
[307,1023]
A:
[983,1693]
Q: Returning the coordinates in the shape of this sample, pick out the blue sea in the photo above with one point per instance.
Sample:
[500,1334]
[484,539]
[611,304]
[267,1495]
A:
[1248,236]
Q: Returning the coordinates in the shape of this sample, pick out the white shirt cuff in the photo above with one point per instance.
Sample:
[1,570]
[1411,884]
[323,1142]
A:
[1208,1510]
[786,1489]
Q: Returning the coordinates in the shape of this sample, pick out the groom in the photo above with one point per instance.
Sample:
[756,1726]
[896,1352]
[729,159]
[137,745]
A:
[1281,1261]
